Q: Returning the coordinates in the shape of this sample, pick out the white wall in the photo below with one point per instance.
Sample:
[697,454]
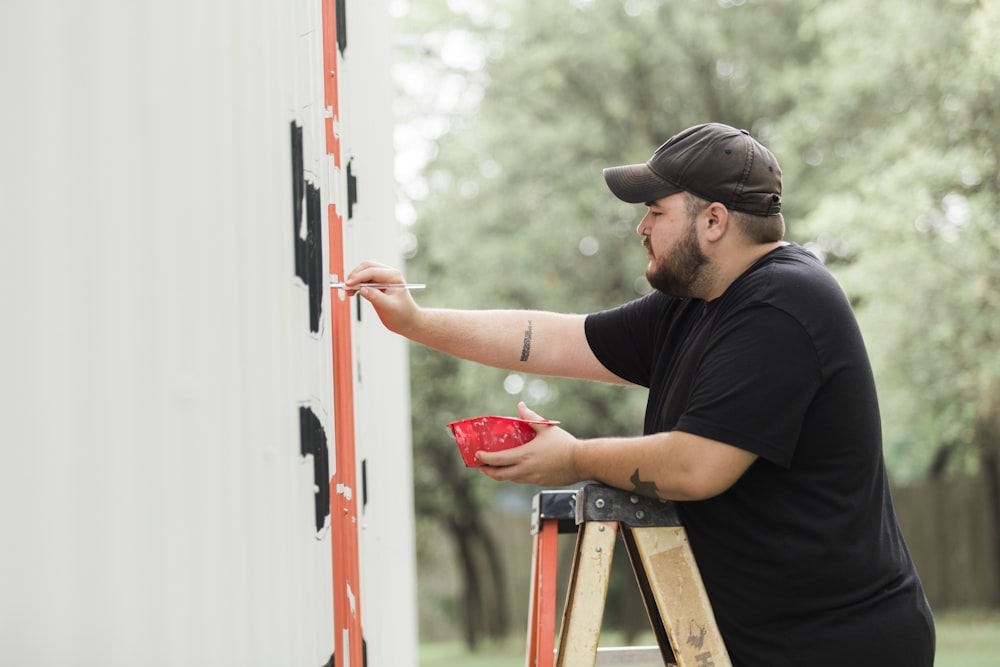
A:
[155,348]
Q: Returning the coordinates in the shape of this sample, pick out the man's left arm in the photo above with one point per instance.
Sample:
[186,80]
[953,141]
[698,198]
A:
[673,465]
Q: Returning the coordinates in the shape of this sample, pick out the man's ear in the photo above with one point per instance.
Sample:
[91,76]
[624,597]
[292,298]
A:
[717,221]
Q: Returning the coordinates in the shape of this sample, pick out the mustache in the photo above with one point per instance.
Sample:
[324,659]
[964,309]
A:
[646,244]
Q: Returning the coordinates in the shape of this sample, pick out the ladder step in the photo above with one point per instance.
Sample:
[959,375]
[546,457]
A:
[629,655]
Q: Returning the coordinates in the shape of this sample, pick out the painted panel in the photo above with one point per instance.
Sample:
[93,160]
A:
[166,372]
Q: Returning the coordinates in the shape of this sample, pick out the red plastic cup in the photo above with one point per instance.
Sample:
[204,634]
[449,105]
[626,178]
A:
[491,434]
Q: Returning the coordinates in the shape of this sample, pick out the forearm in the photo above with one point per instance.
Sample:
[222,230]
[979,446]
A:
[536,342]
[491,337]
[672,466]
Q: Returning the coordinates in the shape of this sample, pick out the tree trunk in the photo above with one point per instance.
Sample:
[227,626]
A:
[989,466]
[498,613]
[472,621]
[486,613]
[986,435]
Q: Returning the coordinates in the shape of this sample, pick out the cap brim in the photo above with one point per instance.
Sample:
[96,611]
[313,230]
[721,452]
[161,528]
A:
[637,184]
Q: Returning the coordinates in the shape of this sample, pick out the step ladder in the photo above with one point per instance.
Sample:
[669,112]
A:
[664,568]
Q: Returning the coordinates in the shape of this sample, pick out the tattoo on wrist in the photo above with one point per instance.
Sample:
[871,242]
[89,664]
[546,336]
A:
[641,487]
[526,347]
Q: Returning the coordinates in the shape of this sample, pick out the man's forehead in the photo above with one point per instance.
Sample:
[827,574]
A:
[664,202]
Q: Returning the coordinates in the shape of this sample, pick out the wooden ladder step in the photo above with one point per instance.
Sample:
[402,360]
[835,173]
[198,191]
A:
[630,655]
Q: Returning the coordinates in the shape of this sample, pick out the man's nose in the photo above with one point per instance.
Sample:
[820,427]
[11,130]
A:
[643,225]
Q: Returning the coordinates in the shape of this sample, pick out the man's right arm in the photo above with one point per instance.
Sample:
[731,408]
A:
[537,342]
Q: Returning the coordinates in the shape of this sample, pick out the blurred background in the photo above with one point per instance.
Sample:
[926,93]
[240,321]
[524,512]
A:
[885,119]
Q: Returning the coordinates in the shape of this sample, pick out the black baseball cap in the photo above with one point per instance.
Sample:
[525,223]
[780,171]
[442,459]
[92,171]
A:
[713,161]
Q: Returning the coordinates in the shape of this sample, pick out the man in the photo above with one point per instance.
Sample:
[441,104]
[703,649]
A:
[762,419]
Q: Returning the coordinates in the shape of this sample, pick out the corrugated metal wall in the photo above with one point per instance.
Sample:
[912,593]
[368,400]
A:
[156,350]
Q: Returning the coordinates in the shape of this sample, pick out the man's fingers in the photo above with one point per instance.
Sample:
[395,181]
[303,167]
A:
[495,459]
[373,272]
[525,412]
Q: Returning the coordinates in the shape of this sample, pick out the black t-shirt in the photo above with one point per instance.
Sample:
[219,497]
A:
[802,558]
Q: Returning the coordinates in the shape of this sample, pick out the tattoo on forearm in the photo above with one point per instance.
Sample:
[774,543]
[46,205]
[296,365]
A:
[641,487]
[526,348]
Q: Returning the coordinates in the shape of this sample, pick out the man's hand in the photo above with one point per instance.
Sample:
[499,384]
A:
[547,460]
[393,305]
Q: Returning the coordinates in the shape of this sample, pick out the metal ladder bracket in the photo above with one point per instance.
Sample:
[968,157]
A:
[596,502]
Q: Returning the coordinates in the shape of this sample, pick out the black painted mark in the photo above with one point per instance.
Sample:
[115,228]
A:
[312,441]
[298,177]
[352,190]
[342,25]
[364,483]
[696,638]
[307,230]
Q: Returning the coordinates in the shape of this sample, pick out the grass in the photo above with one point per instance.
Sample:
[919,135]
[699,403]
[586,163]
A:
[968,639]
[964,639]
[453,654]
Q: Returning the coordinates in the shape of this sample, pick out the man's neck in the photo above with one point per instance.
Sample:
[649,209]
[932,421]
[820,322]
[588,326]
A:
[731,268]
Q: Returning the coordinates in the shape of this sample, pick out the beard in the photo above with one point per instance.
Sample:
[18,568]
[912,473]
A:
[683,270]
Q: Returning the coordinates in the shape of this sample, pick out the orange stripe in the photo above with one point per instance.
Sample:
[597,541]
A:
[343,484]
[542,603]
[331,96]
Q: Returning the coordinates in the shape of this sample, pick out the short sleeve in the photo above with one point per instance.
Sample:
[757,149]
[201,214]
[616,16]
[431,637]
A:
[622,338]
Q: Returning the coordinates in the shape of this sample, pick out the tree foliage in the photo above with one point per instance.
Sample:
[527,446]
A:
[899,153]
[888,131]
